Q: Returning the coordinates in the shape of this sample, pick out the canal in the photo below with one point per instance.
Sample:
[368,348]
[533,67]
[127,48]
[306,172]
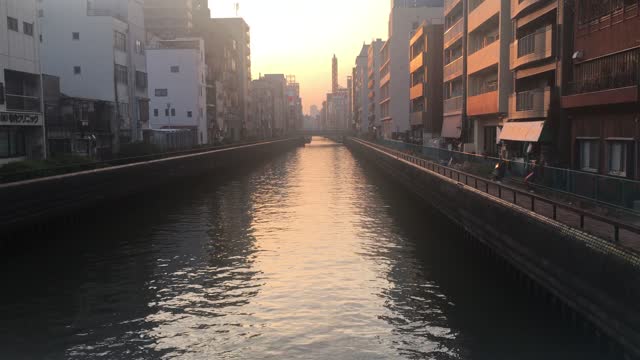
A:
[313,255]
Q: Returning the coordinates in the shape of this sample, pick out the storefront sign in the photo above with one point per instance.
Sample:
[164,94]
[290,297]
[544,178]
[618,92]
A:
[18,119]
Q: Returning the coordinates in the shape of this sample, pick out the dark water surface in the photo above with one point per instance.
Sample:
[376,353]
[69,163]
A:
[311,256]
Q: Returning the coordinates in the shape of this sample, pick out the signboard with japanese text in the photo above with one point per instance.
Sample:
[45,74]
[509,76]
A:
[20,119]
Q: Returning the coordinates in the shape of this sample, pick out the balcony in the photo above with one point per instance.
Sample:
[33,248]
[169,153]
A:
[530,104]
[453,33]
[416,63]
[483,58]
[453,69]
[417,118]
[453,105]
[533,47]
[483,12]
[483,104]
[385,79]
[450,5]
[518,6]
[416,91]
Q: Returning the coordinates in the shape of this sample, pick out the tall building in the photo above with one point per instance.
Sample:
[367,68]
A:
[22,134]
[425,94]
[404,19]
[278,83]
[263,98]
[360,91]
[537,127]
[97,50]
[178,87]
[169,19]
[374,63]
[415,3]
[489,79]
[602,95]
[334,74]
[455,74]
[294,104]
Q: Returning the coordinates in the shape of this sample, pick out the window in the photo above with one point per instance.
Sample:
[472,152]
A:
[166,112]
[75,36]
[141,80]
[77,70]
[617,155]
[589,155]
[121,74]
[12,23]
[189,113]
[124,109]
[173,112]
[162,92]
[139,47]
[12,142]
[27,28]
[155,112]
[175,69]
[119,41]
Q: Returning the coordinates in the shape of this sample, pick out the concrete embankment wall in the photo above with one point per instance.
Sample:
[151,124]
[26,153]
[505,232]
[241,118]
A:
[36,201]
[591,276]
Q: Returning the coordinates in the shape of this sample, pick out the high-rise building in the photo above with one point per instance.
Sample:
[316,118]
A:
[360,97]
[425,94]
[278,84]
[374,62]
[169,19]
[334,74]
[294,104]
[415,3]
[22,132]
[97,50]
[403,21]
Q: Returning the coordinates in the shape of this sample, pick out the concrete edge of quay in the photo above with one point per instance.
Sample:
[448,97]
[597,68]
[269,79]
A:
[589,275]
[38,201]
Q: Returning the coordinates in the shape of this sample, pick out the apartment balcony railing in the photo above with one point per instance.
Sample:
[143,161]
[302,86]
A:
[530,104]
[450,5]
[518,6]
[417,118]
[385,79]
[453,69]
[481,13]
[533,47]
[454,32]
[417,91]
[483,103]
[484,57]
[610,72]
[417,62]
[453,105]
[22,103]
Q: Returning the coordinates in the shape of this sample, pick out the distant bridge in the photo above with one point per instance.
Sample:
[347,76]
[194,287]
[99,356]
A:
[325,132]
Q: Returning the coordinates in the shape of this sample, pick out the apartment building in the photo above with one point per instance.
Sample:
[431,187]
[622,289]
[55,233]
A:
[278,84]
[540,50]
[405,18]
[455,74]
[489,79]
[294,104]
[22,134]
[374,63]
[97,50]
[425,92]
[360,99]
[177,86]
[602,95]
[263,106]
[169,19]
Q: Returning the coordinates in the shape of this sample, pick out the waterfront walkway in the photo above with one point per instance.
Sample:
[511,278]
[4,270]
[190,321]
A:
[614,225]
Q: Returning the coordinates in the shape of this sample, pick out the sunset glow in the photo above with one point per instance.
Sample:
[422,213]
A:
[299,37]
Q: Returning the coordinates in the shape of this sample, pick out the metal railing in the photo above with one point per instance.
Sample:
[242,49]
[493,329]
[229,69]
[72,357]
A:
[453,104]
[609,72]
[540,205]
[453,31]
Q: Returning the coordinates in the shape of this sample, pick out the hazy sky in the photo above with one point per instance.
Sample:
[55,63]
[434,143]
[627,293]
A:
[299,37]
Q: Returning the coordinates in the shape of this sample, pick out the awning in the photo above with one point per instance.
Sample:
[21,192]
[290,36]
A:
[527,131]
[452,126]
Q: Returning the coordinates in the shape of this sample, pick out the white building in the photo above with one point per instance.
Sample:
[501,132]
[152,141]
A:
[405,17]
[96,48]
[21,120]
[361,91]
[177,84]
[374,62]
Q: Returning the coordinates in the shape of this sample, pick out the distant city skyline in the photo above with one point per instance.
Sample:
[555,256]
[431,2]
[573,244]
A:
[284,42]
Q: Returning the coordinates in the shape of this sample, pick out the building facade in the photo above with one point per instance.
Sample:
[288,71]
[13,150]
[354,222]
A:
[425,92]
[374,63]
[489,79]
[601,97]
[22,134]
[455,74]
[169,19]
[395,81]
[360,99]
[177,86]
[97,50]
[294,104]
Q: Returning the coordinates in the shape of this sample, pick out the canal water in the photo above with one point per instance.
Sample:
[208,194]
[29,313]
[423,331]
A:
[313,255]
